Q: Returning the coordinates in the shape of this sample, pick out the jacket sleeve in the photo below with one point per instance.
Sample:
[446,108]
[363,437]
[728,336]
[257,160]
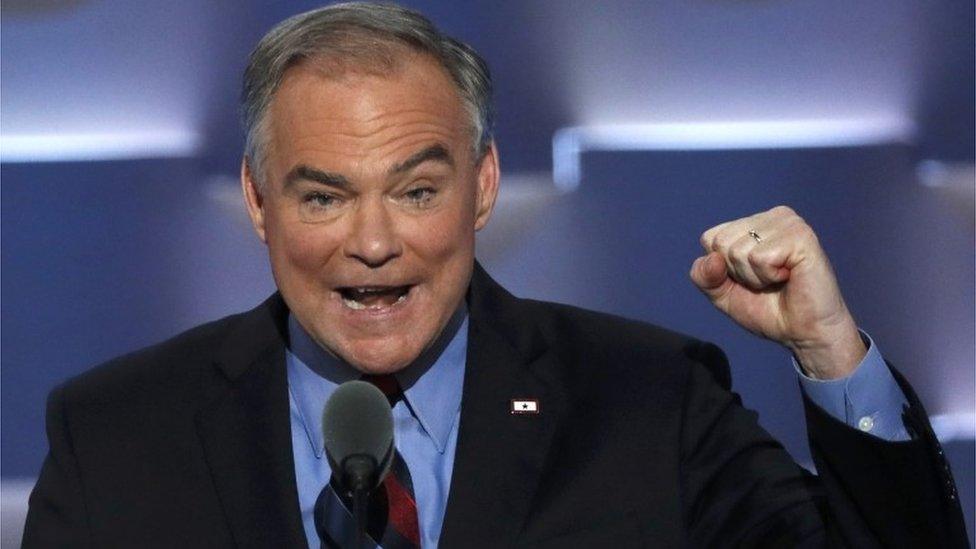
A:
[901,493]
[742,489]
[56,516]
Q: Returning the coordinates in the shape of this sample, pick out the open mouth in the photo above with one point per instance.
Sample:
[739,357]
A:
[374,298]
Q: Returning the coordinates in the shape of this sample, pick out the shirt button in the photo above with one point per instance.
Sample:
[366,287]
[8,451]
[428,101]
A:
[865,424]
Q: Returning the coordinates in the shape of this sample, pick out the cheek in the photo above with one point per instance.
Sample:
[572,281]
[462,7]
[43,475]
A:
[445,237]
[304,253]
[299,246]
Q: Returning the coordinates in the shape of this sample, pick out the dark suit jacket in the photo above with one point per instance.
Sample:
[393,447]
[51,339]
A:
[639,443]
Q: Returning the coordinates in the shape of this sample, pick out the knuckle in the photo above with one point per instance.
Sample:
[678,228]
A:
[709,238]
[721,242]
[726,239]
[736,260]
[739,254]
[755,257]
[705,239]
[811,236]
[784,210]
[802,229]
[717,242]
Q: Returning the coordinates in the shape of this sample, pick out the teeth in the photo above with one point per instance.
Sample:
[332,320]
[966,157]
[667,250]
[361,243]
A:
[363,292]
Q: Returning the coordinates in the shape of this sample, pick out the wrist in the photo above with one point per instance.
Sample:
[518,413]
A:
[832,356]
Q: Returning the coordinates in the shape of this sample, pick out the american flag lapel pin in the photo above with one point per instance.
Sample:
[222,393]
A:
[525,406]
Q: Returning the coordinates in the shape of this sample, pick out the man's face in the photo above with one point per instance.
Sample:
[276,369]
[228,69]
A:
[372,195]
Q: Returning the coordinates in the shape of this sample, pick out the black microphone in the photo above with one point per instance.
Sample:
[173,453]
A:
[358,428]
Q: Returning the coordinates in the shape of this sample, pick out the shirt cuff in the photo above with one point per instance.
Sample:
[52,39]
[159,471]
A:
[869,399]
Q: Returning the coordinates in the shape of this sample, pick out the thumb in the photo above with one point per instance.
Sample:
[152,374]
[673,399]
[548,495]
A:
[710,274]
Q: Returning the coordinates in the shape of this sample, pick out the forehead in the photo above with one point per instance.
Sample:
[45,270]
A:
[358,113]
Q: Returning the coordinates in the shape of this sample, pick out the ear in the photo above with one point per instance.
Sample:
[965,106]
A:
[488,176]
[253,199]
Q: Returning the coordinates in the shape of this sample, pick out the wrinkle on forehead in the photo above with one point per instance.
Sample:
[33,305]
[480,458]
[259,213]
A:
[365,116]
[324,71]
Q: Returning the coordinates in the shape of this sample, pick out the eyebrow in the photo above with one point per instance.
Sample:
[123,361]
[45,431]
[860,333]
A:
[306,172]
[434,153]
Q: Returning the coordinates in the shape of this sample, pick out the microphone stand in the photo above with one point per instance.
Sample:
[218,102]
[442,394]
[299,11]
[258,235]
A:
[360,471]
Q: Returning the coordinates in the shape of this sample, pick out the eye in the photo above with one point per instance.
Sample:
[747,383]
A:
[319,200]
[420,195]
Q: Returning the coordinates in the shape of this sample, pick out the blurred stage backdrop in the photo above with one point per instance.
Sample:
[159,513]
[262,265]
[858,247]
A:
[625,129]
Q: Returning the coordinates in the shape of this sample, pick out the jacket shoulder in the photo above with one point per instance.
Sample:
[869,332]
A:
[176,361]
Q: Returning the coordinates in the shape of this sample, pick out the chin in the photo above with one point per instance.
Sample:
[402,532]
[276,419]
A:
[378,369]
[378,361]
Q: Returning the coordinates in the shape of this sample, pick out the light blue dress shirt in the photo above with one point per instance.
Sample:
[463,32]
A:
[426,422]
[869,399]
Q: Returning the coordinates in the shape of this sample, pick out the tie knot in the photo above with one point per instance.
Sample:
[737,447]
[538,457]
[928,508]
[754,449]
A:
[387,384]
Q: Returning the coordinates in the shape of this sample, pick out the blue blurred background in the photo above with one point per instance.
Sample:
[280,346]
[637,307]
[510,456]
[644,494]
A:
[625,129]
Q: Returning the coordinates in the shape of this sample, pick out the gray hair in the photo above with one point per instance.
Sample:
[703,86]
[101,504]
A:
[370,36]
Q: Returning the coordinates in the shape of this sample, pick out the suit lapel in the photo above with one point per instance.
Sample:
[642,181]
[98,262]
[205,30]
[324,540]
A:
[246,434]
[500,456]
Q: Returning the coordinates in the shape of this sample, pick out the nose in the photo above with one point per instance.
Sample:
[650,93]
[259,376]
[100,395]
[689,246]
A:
[373,237]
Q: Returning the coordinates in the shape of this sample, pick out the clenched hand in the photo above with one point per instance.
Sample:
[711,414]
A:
[770,275]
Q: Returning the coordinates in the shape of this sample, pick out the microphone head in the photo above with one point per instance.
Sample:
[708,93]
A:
[357,422]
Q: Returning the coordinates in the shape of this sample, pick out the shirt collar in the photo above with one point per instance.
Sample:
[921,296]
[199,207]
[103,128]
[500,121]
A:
[432,384]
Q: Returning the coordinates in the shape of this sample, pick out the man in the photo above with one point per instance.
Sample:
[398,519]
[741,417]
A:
[369,168]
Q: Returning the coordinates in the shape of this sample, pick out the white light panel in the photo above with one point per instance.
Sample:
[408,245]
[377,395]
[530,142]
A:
[98,146]
[569,143]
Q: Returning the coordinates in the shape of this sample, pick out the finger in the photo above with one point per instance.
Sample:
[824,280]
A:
[710,275]
[740,268]
[753,260]
[786,240]
[707,239]
[768,262]
[764,224]
[710,239]
[781,212]
[723,237]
